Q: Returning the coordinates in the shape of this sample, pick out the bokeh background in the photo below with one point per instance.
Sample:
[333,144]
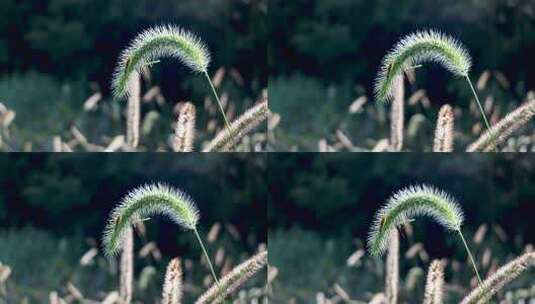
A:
[54,207]
[324,56]
[321,207]
[57,58]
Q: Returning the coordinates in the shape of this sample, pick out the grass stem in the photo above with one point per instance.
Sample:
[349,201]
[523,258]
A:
[471,257]
[206,255]
[227,125]
[479,105]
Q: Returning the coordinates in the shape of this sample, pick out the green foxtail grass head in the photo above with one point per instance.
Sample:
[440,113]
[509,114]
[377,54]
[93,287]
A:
[417,48]
[408,203]
[155,43]
[145,201]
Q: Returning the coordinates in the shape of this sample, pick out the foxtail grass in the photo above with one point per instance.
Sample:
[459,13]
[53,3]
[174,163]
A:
[225,141]
[497,281]
[185,129]
[434,286]
[172,286]
[146,201]
[411,202]
[504,128]
[420,47]
[159,42]
[397,115]
[443,141]
[234,279]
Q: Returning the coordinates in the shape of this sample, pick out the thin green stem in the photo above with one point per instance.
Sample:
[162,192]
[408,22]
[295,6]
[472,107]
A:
[471,257]
[206,255]
[207,258]
[218,102]
[480,106]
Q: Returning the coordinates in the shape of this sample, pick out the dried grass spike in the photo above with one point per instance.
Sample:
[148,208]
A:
[417,48]
[155,43]
[133,111]
[226,139]
[397,116]
[408,203]
[444,131]
[485,291]
[434,286]
[392,268]
[145,201]
[185,129]
[504,128]
[172,286]
[234,279]
[127,267]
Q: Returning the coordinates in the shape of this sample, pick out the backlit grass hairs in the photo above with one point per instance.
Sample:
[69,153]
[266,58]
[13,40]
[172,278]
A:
[434,286]
[158,42]
[443,141]
[148,200]
[225,141]
[143,202]
[234,279]
[495,282]
[172,286]
[185,129]
[418,48]
[504,128]
[414,201]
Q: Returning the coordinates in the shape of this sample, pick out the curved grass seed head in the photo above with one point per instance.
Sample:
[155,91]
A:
[155,43]
[408,203]
[417,48]
[143,202]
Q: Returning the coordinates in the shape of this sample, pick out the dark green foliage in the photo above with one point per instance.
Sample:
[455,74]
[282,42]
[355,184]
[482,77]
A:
[339,44]
[322,205]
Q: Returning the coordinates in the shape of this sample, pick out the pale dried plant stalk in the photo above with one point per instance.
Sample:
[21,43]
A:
[504,128]
[379,299]
[392,268]
[397,115]
[234,279]
[444,131]
[434,286]
[225,140]
[172,286]
[185,129]
[485,291]
[127,267]
[133,110]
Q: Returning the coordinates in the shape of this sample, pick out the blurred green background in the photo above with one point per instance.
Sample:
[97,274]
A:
[323,55]
[55,54]
[53,209]
[321,206]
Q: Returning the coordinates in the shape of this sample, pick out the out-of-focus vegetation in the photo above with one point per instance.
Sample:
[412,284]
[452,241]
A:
[57,58]
[53,210]
[321,207]
[324,57]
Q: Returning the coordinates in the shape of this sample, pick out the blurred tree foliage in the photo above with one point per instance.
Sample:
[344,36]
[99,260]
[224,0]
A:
[325,54]
[73,194]
[54,54]
[334,39]
[334,194]
[82,38]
